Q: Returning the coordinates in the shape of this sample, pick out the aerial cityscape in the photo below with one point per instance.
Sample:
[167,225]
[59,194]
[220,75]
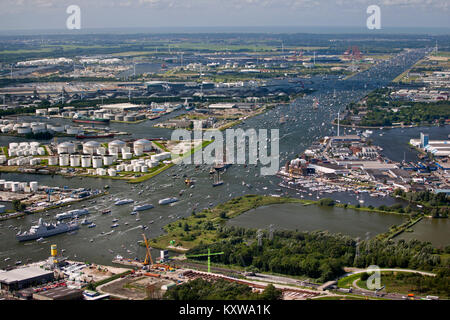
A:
[202,164]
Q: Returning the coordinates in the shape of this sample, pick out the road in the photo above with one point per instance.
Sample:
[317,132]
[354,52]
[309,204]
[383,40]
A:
[392,296]
[356,271]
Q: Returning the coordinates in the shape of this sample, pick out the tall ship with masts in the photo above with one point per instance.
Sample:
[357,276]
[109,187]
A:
[221,165]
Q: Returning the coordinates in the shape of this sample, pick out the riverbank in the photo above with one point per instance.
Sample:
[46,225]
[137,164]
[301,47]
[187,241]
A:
[202,227]
[199,228]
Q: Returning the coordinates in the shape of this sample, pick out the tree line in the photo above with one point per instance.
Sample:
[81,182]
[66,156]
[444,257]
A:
[317,255]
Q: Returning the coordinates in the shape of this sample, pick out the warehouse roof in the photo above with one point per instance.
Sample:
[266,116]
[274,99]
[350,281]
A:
[59,293]
[22,274]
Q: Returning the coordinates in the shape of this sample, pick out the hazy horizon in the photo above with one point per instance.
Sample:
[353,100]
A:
[235,29]
[26,15]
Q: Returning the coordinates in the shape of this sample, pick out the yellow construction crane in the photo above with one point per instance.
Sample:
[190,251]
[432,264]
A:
[148,256]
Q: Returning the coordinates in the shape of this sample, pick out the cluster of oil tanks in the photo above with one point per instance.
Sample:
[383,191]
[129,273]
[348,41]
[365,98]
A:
[8,126]
[24,153]
[14,186]
[96,156]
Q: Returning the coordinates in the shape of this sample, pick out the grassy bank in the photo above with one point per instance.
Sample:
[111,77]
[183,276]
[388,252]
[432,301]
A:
[196,229]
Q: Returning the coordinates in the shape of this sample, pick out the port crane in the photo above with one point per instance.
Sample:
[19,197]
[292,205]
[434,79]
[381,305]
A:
[209,254]
[148,256]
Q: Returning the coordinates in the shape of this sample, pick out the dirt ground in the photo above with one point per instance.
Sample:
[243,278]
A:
[104,273]
[136,288]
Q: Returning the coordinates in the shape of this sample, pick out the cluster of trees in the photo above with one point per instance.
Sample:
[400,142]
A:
[417,113]
[18,205]
[326,202]
[318,255]
[200,289]
[425,197]
[411,254]
[435,204]
[379,106]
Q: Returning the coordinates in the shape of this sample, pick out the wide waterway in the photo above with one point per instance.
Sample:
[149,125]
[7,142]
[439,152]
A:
[303,126]
[296,216]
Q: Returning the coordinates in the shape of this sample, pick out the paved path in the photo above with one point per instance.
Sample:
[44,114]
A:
[356,271]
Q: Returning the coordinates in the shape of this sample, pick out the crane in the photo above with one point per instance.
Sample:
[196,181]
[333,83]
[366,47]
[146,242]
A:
[209,254]
[148,256]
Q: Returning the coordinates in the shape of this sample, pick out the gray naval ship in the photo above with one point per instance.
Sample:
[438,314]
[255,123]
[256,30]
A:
[43,230]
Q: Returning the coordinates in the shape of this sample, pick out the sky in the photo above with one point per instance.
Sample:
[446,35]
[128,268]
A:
[51,14]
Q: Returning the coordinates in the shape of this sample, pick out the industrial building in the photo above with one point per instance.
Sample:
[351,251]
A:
[59,293]
[24,277]
[439,148]
[222,106]
[121,107]
[328,168]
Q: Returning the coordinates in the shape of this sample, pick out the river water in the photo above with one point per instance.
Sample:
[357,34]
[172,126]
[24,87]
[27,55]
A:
[303,126]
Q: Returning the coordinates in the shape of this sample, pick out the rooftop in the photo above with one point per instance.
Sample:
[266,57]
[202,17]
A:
[22,274]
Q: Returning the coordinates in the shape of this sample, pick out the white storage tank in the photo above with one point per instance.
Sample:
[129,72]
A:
[75,160]
[146,145]
[127,156]
[144,169]
[112,172]
[38,127]
[86,161]
[66,147]
[101,150]
[34,186]
[137,168]
[138,152]
[15,187]
[13,145]
[53,161]
[108,160]
[6,129]
[64,160]
[23,130]
[152,163]
[101,172]
[97,162]
[116,146]
[120,167]
[56,128]
[41,151]
[35,161]
[129,168]
[91,147]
